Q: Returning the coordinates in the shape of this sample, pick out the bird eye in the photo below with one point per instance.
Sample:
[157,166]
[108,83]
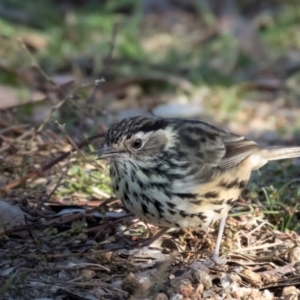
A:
[137,144]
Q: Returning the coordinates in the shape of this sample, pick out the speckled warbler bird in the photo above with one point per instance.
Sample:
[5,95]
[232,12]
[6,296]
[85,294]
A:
[182,173]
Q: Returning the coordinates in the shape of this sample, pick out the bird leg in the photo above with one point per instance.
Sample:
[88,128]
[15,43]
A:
[215,256]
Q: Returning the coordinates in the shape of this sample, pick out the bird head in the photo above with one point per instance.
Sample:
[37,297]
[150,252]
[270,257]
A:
[136,138]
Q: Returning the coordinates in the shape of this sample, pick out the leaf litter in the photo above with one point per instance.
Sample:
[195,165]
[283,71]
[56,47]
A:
[87,245]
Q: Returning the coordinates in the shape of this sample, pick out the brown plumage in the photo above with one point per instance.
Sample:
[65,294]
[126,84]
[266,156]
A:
[182,173]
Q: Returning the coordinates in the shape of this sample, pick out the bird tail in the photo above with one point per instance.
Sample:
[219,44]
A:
[276,153]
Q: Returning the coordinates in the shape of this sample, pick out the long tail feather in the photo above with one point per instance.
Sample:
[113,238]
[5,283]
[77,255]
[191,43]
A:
[276,153]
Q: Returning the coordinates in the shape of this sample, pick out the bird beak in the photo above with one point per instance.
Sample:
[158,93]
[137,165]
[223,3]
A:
[107,152]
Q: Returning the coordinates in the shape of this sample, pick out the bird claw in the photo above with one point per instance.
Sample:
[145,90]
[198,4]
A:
[219,260]
[215,261]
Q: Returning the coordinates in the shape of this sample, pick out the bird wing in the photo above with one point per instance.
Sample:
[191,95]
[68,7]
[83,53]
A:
[237,151]
[212,147]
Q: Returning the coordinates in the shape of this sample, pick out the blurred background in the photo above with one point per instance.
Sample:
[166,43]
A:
[228,62]
[68,69]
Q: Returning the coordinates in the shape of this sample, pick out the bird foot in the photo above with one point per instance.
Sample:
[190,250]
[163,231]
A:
[215,260]
[219,260]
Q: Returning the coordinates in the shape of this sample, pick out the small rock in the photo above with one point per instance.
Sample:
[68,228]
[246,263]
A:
[297,267]
[244,293]
[230,283]
[235,278]
[201,276]
[200,289]
[210,294]
[268,295]
[87,274]
[225,281]
[99,292]
[117,284]
[11,215]
[294,255]
[64,275]
[176,297]
[161,296]
[6,271]
[131,284]
[290,293]
[182,286]
[199,265]
[269,278]
[251,277]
